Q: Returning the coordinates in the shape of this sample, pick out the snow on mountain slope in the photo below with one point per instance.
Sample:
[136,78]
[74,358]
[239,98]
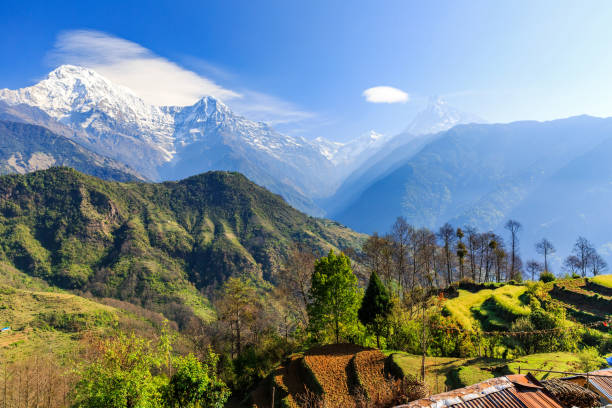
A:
[158,141]
[164,143]
[343,154]
[81,98]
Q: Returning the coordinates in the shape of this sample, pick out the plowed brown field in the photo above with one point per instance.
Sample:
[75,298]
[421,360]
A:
[329,364]
[370,368]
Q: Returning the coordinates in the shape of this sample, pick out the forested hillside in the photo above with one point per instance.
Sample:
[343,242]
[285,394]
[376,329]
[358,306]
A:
[155,245]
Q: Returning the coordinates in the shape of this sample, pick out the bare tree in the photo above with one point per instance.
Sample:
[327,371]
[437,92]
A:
[572,264]
[514,227]
[597,264]
[546,248]
[378,256]
[401,232]
[583,250]
[295,280]
[534,267]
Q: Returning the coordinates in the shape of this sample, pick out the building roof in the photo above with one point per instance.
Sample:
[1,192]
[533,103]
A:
[603,385]
[511,391]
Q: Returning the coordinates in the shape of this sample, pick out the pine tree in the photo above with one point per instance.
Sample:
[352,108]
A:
[334,295]
[375,307]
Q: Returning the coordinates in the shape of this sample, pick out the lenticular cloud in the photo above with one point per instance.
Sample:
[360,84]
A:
[155,79]
[385,94]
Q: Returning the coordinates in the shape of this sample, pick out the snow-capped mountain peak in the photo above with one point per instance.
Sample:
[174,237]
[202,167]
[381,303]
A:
[437,117]
[82,99]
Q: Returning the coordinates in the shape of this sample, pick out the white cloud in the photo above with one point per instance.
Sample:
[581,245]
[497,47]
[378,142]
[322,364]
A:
[153,78]
[270,109]
[160,81]
[385,94]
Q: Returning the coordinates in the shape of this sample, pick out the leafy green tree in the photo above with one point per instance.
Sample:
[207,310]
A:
[375,307]
[334,295]
[195,384]
[129,372]
[121,377]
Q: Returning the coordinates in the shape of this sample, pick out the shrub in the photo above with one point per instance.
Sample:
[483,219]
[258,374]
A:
[547,277]
[590,360]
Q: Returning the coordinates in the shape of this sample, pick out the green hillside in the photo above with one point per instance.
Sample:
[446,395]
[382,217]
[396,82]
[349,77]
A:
[497,306]
[154,245]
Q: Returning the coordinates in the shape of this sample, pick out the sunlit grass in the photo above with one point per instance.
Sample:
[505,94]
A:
[507,297]
[603,280]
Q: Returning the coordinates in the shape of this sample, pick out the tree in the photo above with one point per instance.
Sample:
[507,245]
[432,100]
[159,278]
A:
[597,264]
[461,251]
[377,256]
[238,306]
[401,232]
[583,250]
[195,384]
[446,234]
[472,239]
[514,227]
[572,264]
[121,377]
[334,295]
[534,267]
[295,282]
[375,307]
[546,248]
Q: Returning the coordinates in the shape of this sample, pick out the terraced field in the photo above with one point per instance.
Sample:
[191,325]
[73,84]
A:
[340,375]
[490,306]
[584,297]
[586,300]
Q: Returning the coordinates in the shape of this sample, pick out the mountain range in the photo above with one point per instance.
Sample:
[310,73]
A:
[174,142]
[446,166]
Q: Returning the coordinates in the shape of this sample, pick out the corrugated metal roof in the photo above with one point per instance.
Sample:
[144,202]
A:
[602,384]
[513,391]
[535,398]
[504,398]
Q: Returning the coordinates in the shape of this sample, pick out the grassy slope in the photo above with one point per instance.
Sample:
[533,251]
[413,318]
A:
[152,244]
[444,373]
[485,303]
[603,280]
[495,309]
[49,321]
[28,306]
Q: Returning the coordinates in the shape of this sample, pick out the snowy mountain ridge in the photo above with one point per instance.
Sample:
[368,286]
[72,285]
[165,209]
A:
[173,142]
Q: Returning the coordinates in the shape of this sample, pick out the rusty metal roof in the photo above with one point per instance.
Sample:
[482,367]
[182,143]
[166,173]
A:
[602,384]
[513,391]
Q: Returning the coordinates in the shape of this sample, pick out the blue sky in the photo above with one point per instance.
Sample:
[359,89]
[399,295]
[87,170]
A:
[304,65]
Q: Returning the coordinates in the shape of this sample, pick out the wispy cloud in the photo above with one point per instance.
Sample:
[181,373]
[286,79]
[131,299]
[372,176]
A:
[270,109]
[160,81]
[385,94]
[153,78]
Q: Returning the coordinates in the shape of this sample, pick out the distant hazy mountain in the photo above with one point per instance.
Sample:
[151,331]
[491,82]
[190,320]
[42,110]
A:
[483,174]
[25,148]
[437,117]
